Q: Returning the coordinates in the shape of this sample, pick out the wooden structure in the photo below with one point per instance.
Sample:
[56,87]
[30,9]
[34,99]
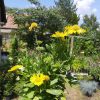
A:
[7,29]
[2,12]
[2,21]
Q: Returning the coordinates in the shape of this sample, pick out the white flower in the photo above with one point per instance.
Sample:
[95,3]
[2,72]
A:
[18,78]
[22,69]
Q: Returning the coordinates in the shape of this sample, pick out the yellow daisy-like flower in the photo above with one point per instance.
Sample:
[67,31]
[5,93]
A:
[81,31]
[75,29]
[33,26]
[38,79]
[14,68]
[59,34]
[47,77]
[68,28]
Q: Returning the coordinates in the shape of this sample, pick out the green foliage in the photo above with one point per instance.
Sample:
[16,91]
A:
[59,49]
[85,45]
[39,62]
[91,24]
[14,51]
[7,81]
[50,56]
[79,64]
[54,91]
[49,21]
[95,72]
[36,2]
[68,10]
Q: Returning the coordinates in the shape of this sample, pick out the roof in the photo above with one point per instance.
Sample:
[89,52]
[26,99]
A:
[10,23]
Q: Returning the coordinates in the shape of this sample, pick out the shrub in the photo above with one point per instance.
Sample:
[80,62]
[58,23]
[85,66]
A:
[7,81]
[14,51]
[79,64]
[95,72]
[88,87]
[41,78]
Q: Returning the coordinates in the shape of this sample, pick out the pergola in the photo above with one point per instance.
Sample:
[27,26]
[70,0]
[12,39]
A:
[2,21]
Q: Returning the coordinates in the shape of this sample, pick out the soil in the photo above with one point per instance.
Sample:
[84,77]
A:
[74,93]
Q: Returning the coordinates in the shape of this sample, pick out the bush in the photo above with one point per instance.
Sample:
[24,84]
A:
[95,72]
[88,87]
[7,81]
[79,64]
[40,74]
[14,51]
[37,66]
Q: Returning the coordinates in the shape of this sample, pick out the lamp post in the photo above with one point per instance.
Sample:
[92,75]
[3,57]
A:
[2,21]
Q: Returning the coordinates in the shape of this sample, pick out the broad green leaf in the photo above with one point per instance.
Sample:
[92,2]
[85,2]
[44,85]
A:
[63,98]
[30,95]
[54,91]
[25,89]
[37,98]
[54,81]
[29,85]
[23,98]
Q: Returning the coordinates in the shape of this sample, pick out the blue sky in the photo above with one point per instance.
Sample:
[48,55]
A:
[84,6]
[25,3]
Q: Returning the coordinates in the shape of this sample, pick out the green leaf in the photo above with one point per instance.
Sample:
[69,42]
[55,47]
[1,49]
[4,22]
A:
[54,81]
[63,98]
[30,85]
[54,91]
[25,89]
[30,95]
[23,98]
[36,98]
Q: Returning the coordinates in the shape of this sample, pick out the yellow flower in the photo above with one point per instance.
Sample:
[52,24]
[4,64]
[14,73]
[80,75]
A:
[33,26]
[68,27]
[75,29]
[59,34]
[38,79]
[81,31]
[14,68]
[47,77]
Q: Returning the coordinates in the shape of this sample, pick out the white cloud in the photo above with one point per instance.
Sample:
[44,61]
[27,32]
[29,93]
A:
[85,6]
[94,10]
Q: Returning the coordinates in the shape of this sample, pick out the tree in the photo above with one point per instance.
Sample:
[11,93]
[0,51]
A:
[90,43]
[49,21]
[91,24]
[36,2]
[68,10]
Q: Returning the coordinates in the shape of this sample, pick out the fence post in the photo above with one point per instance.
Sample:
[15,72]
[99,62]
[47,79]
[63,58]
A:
[71,45]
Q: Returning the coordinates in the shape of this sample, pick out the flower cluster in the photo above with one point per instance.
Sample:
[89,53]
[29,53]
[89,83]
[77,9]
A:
[59,34]
[75,29]
[16,67]
[34,25]
[68,30]
[38,79]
